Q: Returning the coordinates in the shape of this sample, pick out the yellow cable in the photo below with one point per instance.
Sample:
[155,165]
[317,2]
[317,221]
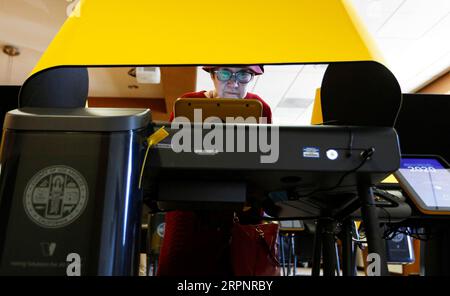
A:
[153,139]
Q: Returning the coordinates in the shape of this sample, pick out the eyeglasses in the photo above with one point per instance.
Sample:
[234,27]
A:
[240,76]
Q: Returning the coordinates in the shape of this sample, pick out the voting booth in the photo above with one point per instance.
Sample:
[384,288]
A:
[69,178]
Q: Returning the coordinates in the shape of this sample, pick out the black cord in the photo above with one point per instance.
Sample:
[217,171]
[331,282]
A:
[366,154]
[350,143]
[387,226]
[392,231]
[386,196]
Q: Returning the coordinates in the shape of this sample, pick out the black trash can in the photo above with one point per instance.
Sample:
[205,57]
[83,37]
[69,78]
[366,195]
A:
[69,197]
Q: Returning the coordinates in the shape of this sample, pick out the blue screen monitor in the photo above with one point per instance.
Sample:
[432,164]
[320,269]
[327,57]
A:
[426,180]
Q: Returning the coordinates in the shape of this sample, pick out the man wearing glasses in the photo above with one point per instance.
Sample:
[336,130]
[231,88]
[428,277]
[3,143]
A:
[197,243]
[232,83]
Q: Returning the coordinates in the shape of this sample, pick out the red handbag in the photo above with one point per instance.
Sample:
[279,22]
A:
[254,249]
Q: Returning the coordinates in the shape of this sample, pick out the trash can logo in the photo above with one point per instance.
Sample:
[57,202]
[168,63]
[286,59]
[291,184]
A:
[55,196]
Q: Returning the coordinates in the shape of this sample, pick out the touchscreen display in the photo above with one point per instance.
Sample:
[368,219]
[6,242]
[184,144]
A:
[429,179]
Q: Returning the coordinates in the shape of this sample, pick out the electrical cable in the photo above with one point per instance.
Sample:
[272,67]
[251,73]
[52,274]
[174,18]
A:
[386,196]
[366,154]
[350,144]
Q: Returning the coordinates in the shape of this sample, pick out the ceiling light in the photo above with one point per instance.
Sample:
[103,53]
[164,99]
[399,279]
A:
[11,51]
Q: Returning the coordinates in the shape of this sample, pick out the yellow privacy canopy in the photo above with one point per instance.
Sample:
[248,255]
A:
[174,32]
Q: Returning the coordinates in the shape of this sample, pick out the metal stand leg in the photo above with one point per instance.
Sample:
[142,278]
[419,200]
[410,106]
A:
[282,261]
[348,262]
[324,242]
[372,224]
[329,249]
[294,254]
[317,251]
[338,265]
[289,253]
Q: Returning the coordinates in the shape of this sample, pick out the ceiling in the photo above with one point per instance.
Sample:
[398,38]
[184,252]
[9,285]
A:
[412,35]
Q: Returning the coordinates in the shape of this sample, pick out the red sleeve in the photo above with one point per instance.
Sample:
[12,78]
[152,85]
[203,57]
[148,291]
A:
[267,112]
[200,94]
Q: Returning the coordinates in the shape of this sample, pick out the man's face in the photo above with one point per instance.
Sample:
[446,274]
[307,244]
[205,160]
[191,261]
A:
[231,89]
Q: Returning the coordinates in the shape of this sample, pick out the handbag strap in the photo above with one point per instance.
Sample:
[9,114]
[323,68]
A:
[269,250]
